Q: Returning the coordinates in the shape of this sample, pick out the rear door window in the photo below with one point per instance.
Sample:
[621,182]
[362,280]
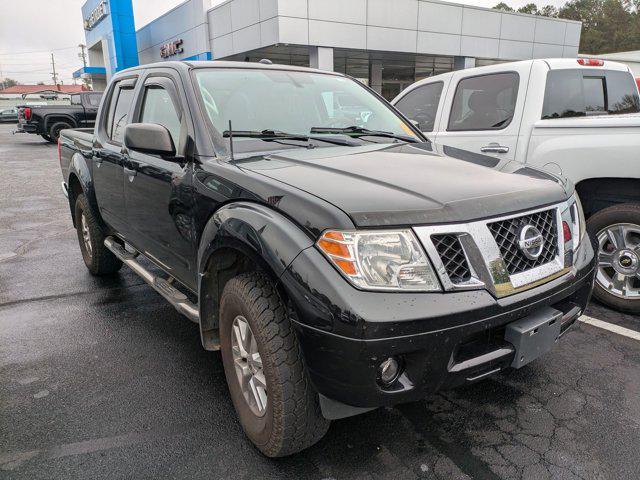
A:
[485,102]
[119,113]
[579,93]
[421,105]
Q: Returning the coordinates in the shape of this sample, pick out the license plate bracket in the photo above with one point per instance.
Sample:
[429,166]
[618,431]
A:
[533,335]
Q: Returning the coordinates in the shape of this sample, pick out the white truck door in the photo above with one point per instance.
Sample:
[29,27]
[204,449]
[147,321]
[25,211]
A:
[483,112]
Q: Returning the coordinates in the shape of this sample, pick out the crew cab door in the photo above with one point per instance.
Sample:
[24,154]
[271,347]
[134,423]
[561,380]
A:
[108,159]
[483,113]
[157,190]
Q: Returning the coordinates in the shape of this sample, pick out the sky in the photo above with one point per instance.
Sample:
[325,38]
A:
[30,30]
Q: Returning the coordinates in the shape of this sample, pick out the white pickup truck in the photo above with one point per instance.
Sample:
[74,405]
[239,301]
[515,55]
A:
[575,117]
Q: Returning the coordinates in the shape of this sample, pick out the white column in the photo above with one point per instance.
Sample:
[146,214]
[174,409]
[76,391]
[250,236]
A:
[375,76]
[321,58]
[460,63]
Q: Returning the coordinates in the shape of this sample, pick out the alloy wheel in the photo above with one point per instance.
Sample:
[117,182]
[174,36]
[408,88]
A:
[619,260]
[248,365]
[86,235]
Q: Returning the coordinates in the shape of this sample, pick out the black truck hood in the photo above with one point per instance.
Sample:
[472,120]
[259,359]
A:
[382,185]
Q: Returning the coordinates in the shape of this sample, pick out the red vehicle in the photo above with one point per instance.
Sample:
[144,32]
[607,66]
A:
[638,82]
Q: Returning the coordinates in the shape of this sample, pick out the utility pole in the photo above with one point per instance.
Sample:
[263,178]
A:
[54,75]
[83,56]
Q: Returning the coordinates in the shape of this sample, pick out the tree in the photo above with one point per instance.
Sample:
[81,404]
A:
[504,7]
[530,8]
[607,25]
[7,82]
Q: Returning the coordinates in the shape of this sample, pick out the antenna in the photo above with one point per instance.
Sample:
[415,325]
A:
[231,140]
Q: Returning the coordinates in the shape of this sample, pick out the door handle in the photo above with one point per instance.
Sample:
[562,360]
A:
[494,148]
[130,172]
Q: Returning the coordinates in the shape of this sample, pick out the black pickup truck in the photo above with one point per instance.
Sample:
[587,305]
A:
[340,262]
[49,120]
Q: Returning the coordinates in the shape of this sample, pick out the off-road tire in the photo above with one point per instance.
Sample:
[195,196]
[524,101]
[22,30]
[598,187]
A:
[99,261]
[56,128]
[622,213]
[293,420]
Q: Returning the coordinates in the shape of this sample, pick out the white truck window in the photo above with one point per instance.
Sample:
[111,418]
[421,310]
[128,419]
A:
[485,102]
[578,93]
[421,105]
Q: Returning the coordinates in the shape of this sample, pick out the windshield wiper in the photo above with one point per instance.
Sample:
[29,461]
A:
[274,135]
[356,132]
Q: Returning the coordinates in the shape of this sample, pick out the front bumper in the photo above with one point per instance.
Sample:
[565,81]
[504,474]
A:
[443,339]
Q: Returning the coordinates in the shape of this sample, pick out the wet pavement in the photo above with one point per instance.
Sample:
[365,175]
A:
[100,378]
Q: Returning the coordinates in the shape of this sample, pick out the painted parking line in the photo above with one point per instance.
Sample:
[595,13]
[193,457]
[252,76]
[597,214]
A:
[627,332]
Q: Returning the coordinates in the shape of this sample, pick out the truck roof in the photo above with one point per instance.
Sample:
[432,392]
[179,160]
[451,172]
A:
[197,64]
[552,64]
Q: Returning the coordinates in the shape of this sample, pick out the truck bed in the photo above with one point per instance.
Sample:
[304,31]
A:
[579,147]
[80,138]
[631,120]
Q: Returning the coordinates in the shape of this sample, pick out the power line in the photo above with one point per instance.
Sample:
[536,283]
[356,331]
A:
[40,51]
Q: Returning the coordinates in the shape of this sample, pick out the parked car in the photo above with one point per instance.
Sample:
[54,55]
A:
[48,121]
[9,115]
[339,267]
[578,119]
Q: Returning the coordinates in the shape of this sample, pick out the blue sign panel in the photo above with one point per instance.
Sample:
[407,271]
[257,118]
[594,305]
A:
[109,23]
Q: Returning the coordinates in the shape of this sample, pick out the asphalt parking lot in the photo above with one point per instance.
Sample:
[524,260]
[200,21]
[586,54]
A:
[100,378]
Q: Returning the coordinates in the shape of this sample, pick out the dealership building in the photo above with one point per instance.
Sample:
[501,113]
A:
[387,44]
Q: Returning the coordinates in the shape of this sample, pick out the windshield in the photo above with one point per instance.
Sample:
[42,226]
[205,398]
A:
[298,103]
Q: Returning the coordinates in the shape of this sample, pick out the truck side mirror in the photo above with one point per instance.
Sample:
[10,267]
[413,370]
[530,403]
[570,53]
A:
[149,138]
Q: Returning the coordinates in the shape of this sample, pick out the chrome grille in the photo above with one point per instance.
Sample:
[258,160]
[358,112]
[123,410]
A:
[455,263]
[506,234]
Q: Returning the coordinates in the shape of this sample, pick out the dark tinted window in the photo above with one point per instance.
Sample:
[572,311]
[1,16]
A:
[576,93]
[119,114]
[594,101]
[563,96]
[93,99]
[486,102]
[622,96]
[158,108]
[421,105]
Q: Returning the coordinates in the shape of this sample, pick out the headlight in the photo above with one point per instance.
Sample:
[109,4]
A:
[380,260]
[578,222]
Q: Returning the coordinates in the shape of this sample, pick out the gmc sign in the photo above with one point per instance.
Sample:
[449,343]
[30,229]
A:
[171,48]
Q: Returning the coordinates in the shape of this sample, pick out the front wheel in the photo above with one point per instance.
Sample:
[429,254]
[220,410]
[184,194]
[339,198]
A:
[277,406]
[616,233]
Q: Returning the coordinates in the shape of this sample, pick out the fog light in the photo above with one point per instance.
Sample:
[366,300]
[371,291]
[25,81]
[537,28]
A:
[388,371]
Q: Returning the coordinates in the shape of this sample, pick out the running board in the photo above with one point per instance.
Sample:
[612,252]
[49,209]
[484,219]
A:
[174,296]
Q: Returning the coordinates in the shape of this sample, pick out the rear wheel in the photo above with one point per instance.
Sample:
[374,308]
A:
[98,258]
[56,128]
[275,401]
[616,234]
